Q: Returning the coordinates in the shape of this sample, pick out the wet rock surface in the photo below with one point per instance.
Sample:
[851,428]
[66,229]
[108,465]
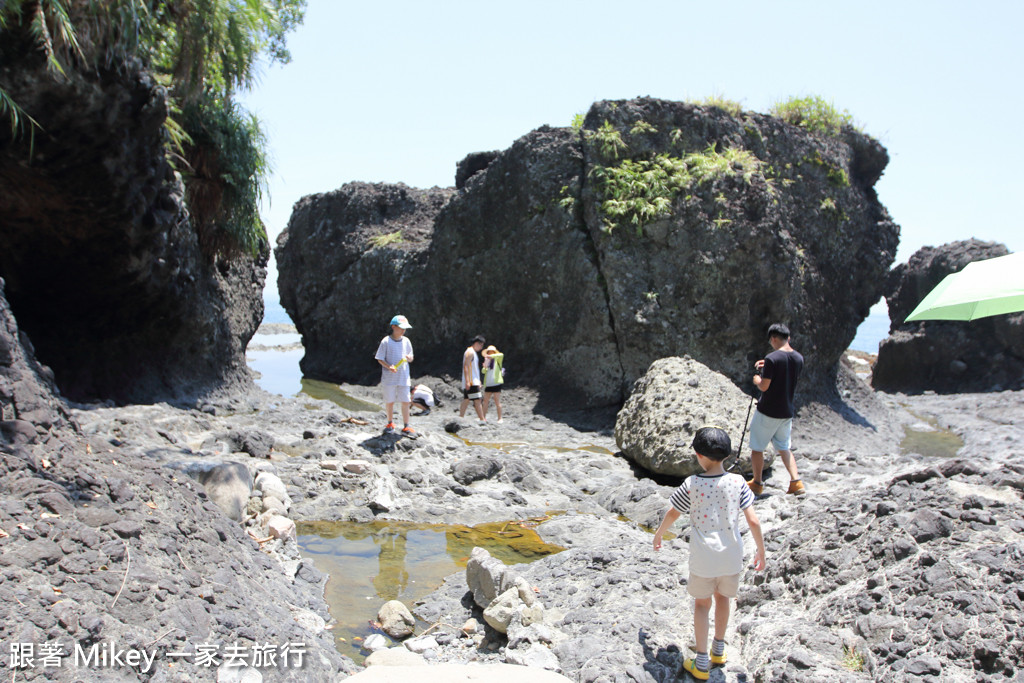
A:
[946,356]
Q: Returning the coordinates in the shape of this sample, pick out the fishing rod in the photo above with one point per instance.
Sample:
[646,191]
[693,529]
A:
[743,434]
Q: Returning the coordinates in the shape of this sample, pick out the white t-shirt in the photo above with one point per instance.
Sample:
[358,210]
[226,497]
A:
[715,504]
[391,351]
[423,393]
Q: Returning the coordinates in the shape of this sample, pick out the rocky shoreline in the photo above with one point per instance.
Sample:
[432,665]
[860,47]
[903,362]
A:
[913,577]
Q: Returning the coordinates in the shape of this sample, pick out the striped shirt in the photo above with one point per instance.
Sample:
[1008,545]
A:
[391,351]
[714,503]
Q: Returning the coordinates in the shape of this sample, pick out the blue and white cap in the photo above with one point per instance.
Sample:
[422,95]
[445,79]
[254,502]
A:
[402,322]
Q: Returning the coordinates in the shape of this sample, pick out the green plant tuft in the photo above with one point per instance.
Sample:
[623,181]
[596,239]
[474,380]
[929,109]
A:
[853,659]
[577,121]
[642,126]
[814,114]
[608,140]
[731,107]
[383,240]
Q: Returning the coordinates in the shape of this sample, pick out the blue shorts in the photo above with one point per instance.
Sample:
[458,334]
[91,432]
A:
[763,429]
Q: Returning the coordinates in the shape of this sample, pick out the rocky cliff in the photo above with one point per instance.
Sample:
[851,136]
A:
[946,356]
[657,229]
[103,265]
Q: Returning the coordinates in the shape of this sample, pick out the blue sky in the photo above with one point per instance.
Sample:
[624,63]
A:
[400,91]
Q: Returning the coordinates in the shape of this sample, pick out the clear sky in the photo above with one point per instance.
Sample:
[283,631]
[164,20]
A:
[400,91]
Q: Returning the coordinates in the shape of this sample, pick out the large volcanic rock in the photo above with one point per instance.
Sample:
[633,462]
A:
[946,356]
[523,254]
[103,265]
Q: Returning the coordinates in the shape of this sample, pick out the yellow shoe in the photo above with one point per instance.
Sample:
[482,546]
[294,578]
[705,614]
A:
[756,487]
[719,660]
[690,664]
[796,487]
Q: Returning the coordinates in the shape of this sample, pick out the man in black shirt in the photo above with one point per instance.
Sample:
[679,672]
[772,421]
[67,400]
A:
[776,377]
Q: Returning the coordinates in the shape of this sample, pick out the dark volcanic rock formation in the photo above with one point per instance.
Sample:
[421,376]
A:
[101,544]
[946,356]
[530,254]
[103,266]
[344,279]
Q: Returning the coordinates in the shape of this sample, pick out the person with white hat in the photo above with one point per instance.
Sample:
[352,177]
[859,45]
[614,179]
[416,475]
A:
[394,355]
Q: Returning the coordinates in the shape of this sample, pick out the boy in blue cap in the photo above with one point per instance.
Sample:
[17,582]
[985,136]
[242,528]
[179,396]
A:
[713,501]
[394,355]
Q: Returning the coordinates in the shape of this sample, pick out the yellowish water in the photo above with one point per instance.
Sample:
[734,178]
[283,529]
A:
[332,392]
[940,443]
[371,563]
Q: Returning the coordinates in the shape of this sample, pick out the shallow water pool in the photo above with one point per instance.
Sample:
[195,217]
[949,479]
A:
[371,563]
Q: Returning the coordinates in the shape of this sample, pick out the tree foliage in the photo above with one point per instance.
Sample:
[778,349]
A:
[202,51]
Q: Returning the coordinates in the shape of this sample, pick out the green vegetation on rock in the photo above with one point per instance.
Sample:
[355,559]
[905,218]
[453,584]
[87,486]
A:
[383,240]
[202,51]
[638,191]
[730,107]
[812,113]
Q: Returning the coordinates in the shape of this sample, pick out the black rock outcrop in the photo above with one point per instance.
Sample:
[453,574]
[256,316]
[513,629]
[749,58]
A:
[582,279]
[946,356]
[103,266]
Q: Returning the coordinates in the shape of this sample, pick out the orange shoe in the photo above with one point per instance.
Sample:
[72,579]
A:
[389,428]
[796,487]
[756,487]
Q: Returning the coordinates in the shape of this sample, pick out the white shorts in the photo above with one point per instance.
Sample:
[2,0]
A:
[702,588]
[395,393]
[763,429]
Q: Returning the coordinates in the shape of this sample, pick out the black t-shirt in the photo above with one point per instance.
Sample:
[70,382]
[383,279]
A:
[783,369]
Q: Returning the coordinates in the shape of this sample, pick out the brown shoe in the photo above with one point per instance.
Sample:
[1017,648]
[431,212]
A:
[796,487]
[756,487]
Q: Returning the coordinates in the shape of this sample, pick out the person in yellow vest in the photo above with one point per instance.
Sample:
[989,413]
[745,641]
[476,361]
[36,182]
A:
[494,377]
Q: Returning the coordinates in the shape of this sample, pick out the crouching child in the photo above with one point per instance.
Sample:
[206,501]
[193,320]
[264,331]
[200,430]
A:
[713,501]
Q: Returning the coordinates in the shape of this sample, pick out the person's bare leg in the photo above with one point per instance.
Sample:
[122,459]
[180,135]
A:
[790,462]
[405,414]
[757,465]
[497,405]
[487,400]
[722,606]
[701,610]
[389,408]
[479,404]
[462,407]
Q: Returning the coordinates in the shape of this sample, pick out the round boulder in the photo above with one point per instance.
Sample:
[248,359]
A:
[396,620]
[675,398]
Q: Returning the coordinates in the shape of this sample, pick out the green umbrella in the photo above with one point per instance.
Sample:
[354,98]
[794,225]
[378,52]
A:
[983,288]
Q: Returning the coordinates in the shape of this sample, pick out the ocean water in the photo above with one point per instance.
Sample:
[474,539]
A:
[280,374]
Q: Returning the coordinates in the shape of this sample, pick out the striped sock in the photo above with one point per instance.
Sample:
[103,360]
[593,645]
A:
[717,647]
[703,662]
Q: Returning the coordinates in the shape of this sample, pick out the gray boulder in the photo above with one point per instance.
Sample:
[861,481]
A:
[946,356]
[485,576]
[395,619]
[675,398]
[228,484]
